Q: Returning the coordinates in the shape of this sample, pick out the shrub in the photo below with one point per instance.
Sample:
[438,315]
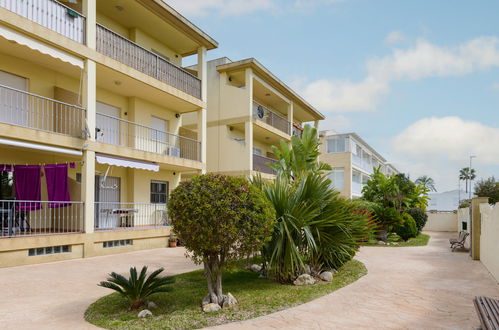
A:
[137,288]
[406,229]
[419,216]
[220,219]
[386,217]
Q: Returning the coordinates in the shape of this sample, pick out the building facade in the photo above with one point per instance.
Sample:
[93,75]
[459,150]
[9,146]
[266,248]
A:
[249,110]
[92,95]
[352,161]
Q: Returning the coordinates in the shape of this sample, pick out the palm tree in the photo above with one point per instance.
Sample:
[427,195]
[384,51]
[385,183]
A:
[426,182]
[466,175]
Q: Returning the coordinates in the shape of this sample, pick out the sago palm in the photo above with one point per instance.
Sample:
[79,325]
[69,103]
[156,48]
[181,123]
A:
[137,288]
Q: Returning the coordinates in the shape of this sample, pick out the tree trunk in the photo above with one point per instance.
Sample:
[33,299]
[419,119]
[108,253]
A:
[208,272]
[218,283]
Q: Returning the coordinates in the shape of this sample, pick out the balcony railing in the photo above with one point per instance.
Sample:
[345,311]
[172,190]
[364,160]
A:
[34,218]
[128,134]
[51,14]
[126,216]
[21,108]
[260,164]
[125,51]
[362,163]
[268,116]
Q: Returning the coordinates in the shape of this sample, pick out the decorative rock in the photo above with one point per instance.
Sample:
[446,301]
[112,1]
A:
[307,269]
[326,276]
[255,268]
[151,305]
[206,300]
[381,243]
[229,301]
[304,279]
[144,313]
[211,308]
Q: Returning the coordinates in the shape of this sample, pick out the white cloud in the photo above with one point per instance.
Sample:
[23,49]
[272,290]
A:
[449,137]
[222,7]
[339,123]
[423,60]
[303,4]
[439,147]
[394,37]
[495,86]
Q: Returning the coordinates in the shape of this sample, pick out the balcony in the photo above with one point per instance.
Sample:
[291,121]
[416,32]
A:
[120,132]
[270,117]
[129,216]
[50,14]
[25,109]
[362,163]
[127,52]
[37,218]
[260,164]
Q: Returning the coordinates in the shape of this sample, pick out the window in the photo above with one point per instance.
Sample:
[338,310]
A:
[159,192]
[356,177]
[6,185]
[122,242]
[335,145]
[159,130]
[337,177]
[49,250]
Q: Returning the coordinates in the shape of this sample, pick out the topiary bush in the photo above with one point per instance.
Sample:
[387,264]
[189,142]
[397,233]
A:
[419,216]
[407,228]
[220,219]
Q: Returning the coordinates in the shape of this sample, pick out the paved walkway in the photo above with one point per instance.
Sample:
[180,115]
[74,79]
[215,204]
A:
[55,295]
[406,288]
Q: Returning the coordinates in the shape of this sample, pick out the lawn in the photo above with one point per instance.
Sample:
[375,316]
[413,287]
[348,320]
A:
[395,240]
[180,309]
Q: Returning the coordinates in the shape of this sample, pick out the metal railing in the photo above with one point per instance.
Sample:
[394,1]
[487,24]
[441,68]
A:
[260,164]
[128,52]
[120,132]
[25,109]
[33,218]
[126,216]
[363,163]
[268,116]
[50,14]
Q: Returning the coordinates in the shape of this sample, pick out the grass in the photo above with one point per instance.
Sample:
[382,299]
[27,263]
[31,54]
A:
[180,309]
[420,240]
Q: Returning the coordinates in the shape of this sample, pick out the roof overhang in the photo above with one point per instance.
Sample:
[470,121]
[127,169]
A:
[271,79]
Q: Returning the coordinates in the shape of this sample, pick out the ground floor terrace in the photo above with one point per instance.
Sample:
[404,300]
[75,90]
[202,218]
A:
[426,287]
[56,206]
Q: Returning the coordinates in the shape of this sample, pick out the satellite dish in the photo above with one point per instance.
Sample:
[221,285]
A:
[260,111]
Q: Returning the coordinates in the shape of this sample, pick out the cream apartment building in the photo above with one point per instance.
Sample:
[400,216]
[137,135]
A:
[92,94]
[249,110]
[352,161]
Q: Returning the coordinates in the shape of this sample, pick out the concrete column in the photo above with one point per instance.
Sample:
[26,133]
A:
[89,95]
[90,11]
[316,124]
[248,75]
[476,226]
[248,140]
[88,189]
[290,117]
[202,136]
[203,72]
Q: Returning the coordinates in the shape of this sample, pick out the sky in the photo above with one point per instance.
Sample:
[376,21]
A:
[418,80]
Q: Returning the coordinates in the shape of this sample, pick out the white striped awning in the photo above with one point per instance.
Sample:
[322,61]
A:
[126,162]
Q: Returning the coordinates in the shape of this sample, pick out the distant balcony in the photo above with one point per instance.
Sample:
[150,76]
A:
[50,14]
[29,110]
[120,132]
[128,216]
[125,51]
[362,163]
[271,118]
[260,164]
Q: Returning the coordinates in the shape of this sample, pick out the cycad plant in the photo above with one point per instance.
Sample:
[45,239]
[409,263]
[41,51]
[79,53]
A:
[138,287]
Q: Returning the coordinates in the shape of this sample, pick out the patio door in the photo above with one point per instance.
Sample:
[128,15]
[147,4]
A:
[14,107]
[109,124]
[159,135]
[107,198]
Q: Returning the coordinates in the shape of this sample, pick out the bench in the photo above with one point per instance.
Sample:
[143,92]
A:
[488,312]
[458,242]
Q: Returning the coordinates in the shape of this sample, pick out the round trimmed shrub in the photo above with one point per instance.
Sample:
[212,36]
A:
[406,229]
[419,216]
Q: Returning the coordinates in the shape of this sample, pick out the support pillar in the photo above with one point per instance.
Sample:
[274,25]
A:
[201,119]
[316,124]
[476,226]
[290,118]
[89,8]
[248,142]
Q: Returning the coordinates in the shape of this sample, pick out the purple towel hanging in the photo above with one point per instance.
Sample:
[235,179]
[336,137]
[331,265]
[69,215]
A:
[27,182]
[57,185]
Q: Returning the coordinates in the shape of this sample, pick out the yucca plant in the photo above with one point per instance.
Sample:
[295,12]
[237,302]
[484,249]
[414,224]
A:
[137,288]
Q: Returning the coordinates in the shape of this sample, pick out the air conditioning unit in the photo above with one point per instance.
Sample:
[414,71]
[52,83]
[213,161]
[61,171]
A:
[174,151]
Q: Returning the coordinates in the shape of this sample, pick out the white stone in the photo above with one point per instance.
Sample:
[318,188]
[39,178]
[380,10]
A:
[151,305]
[326,276]
[206,300]
[255,268]
[307,269]
[381,243]
[229,301]
[211,308]
[304,279]
[144,313]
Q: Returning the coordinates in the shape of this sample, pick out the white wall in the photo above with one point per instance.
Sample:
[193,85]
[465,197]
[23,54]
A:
[441,221]
[489,242]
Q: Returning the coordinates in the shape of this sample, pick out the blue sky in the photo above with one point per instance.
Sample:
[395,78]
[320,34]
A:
[418,80]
